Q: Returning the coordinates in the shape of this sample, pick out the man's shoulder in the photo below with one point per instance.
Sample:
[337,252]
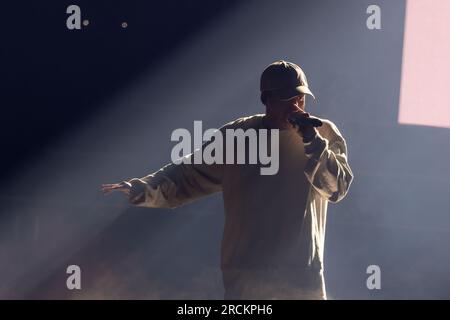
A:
[245,122]
[328,124]
[329,130]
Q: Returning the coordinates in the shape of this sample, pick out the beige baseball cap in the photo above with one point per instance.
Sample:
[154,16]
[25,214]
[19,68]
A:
[284,80]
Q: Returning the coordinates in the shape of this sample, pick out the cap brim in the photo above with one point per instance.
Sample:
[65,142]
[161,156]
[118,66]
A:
[288,94]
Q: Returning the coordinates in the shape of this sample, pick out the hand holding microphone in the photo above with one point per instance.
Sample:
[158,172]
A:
[306,124]
[304,119]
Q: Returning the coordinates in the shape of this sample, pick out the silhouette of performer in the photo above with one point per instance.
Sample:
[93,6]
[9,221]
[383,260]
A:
[273,240]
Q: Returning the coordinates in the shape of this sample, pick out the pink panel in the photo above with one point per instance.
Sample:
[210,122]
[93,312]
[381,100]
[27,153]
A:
[425,79]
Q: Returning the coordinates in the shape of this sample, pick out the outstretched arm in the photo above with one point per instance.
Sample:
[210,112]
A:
[175,185]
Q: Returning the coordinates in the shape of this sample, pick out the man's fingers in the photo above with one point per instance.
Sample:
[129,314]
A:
[110,185]
[107,188]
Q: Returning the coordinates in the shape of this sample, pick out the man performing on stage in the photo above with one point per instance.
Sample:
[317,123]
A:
[273,240]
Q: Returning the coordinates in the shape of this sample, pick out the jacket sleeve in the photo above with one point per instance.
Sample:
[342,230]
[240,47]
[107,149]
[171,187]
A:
[327,168]
[176,184]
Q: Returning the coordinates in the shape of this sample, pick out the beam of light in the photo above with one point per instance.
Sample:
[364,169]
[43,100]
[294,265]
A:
[425,96]
[219,84]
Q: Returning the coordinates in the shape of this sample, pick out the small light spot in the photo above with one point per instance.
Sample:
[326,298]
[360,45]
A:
[124,25]
[85,23]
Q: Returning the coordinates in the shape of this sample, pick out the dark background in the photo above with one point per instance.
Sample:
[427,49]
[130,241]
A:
[97,105]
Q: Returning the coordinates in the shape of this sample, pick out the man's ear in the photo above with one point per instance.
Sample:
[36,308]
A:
[264,97]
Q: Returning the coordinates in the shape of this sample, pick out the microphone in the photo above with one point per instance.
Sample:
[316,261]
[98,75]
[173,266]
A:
[300,120]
